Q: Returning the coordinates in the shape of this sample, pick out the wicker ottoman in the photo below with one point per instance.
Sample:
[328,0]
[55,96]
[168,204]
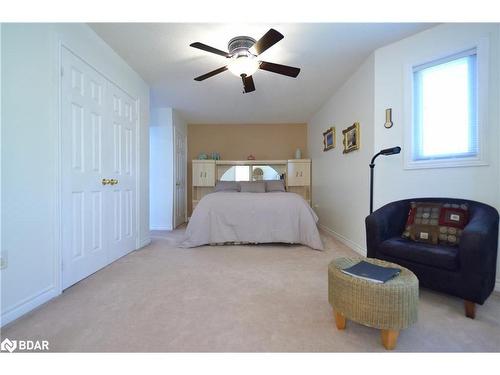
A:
[390,306]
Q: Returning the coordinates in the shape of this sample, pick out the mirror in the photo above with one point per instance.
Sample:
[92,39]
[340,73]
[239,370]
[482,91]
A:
[250,173]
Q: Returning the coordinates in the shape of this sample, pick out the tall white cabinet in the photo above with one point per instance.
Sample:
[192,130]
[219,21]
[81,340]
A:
[203,179]
[298,177]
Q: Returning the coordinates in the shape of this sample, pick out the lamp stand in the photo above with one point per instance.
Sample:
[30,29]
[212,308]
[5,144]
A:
[372,167]
[385,152]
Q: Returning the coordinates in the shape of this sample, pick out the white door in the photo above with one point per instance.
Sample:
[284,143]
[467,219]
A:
[121,202]
[97,144]
[180,164]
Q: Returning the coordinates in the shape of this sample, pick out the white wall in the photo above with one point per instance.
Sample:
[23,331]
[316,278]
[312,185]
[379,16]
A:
[163,121]
[161,169]
[340,181]
[30,149]
[392,181]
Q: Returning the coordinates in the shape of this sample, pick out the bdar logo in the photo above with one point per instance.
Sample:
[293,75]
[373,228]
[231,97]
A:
[8,345]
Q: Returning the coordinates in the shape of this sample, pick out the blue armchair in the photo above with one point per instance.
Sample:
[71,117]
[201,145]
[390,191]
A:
[467,271]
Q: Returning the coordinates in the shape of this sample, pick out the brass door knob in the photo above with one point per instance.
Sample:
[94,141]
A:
[106,181]
[113,181]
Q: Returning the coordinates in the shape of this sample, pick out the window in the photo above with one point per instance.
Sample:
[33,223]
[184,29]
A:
[445,114]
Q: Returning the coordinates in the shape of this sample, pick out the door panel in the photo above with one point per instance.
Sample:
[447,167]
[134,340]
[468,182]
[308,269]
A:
[179,178]
[98,122]
[82,165]
[123,117]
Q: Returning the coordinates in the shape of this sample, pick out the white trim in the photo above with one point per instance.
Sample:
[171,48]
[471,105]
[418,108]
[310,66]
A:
[353,245]
[3,256]
[58,267]
[29,304]
[482,49]
[176,130]
[138,171]
[159,227]
[497,286]
[144,243]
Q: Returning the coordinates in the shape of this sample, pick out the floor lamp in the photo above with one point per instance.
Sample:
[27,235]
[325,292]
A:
[386,152]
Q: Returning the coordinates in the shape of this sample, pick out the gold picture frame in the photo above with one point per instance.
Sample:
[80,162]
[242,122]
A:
[329,139]
[351,138]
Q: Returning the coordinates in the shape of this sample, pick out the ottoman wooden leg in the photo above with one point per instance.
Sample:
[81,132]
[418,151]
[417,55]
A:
[339,320]
[470,309]
[389,338]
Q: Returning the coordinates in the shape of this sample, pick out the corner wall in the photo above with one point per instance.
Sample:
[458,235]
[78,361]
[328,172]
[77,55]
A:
[161,167]
[393,182]
[30,151]
[340,181]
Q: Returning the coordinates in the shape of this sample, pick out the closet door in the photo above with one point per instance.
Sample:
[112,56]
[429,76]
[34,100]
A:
[98,135]
[180,178]
[121,203]
[84,140]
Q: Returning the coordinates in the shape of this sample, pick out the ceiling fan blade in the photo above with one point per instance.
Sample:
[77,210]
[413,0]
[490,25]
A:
[248,84]
[268,40]
[204,47]
[286,70]
[211,74]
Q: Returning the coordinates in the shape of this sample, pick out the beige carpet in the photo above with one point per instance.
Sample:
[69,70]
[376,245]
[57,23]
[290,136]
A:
[234,298]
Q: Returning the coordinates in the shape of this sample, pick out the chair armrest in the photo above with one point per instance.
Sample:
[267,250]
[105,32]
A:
[386,222]
[479,242]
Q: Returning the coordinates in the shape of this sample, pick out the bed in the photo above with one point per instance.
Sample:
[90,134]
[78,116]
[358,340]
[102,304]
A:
[244,217]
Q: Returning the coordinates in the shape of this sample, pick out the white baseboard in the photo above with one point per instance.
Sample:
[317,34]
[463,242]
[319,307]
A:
[153,227]
[144,242]
[28,304]
[357,248]
[497,286]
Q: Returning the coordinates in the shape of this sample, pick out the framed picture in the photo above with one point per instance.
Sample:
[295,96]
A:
[351,138]
[329,139]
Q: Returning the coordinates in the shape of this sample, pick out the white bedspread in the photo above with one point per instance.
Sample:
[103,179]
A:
[252,217]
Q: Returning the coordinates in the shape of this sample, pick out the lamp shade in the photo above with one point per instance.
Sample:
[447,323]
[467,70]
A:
[391,151]
[243,64]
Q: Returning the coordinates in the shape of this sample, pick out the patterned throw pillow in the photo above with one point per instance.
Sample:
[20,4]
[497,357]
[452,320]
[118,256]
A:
[436,222]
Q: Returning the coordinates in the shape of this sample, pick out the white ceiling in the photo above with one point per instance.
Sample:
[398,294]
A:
[326,53]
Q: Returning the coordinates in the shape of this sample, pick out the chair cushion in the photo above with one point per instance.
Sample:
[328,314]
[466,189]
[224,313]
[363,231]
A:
[440,256]
[433,223]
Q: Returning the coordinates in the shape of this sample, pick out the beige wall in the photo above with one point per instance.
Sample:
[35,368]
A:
[237,141]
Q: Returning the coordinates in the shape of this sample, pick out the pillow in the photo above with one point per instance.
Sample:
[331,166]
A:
[435,223]
[253,186]
[275,185]
[227,186]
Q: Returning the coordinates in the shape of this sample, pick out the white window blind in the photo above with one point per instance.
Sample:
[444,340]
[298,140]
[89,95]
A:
[445,108]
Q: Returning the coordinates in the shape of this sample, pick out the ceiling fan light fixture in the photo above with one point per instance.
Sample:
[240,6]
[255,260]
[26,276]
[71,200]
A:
[243,64]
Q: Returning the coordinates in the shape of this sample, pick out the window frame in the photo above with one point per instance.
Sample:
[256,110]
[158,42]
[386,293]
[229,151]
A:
[482,73]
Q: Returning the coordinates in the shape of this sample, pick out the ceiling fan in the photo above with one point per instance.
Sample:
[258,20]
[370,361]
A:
[242,55]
